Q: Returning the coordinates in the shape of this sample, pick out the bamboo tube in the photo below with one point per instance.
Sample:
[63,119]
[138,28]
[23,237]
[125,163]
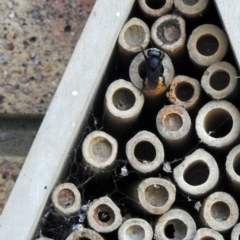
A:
[84,233]
[168,33]
[197,175]
[233,168]
[206,45]
[219,212]
[191,9]
[174,125]
[184,91]
[145,152]
[175,224]
[99,151]
[154,9]
[218,124]
[135,228]
[207,233]
[134,35]
[123,105]
[219,80]
[66,199]
[235,232]
[138,77]
[103,215]
[155,195]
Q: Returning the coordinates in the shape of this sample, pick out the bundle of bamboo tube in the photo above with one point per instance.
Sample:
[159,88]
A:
[165,164]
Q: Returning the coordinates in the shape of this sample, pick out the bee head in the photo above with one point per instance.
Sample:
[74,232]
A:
[154,52]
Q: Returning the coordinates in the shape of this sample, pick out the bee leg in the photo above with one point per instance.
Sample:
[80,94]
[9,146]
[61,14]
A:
[145,56]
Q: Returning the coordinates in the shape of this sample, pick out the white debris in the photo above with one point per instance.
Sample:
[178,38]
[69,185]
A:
[167,167]
[124,171]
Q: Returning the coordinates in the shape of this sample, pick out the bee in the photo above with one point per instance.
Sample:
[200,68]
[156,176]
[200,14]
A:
[154,68]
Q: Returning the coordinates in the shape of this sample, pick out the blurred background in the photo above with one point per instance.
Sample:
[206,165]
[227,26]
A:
[37,39]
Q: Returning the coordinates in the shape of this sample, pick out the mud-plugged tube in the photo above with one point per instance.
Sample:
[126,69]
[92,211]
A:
[66,199]
[175,224]
[169,34]
[219,212]
[135,228]
[155,195]
[99,151]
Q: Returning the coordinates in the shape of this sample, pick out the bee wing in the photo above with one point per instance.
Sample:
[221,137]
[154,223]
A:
[153,77]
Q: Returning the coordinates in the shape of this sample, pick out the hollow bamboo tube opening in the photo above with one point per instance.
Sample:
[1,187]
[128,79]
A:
[218,124]
[156,195]
[103,215]
[99,151]
[123,105]
[206,45]
[169,34]
[175,224]
[233,168]
[173,124]
[134,35]
[184,91]
[66,199]
[145,152]
[207,234]
[84,234]
[154,9]
[219,80]
[191,8]
[219,212]
[135,228]
[197,175]
[138,76]
[235,235]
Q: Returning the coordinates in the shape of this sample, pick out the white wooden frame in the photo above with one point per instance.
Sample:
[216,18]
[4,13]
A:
[65,117]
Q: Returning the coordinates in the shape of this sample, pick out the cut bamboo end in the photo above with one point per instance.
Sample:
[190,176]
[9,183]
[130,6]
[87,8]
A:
[218,124]
[219,212]
[233,168]
[66,199]
[138,75]
[84,233]
[206,45]
[169,34]
[235,235]
[134,35]
[191,9]
[175,224]
[135,228]
[103,215]
[154,9]
[99,151]
[207,233]
[145,152]
[184,91]
[219,80]
[123,105]
[173,124]
[156,195]
[197,175]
